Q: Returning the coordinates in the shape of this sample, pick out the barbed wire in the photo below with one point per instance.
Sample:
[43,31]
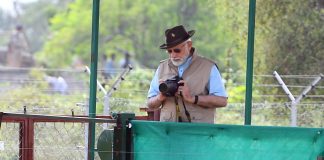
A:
[148,82]
[147,69]
[81,87]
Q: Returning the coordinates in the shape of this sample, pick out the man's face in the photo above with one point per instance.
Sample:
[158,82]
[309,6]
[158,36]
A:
[179,53]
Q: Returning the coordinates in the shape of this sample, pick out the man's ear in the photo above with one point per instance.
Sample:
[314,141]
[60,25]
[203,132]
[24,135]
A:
[189,44]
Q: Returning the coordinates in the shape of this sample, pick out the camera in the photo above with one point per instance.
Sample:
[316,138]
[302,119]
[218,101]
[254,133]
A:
[170,86]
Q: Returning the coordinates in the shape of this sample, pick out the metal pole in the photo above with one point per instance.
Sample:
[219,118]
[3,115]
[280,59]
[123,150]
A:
[309,87]
[101,88]
[293,112]
[86,134]
[295,101]
[298,99]
[106,98]
[293,108]
[249,63]
[93,77]
[284,86]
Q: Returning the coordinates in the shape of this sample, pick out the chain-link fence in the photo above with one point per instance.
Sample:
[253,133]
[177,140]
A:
[55,141]
[51,140]
[9,141]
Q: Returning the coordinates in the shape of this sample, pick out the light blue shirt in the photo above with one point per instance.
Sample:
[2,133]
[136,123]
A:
[216,85]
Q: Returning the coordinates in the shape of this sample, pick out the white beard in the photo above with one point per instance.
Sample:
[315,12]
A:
[178,62]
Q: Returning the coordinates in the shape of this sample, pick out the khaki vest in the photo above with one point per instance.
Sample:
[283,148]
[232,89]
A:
[197,77]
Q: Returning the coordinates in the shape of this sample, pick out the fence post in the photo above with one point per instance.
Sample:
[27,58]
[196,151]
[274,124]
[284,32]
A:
[295,101]
[122,137]
[26,139]
[249,63]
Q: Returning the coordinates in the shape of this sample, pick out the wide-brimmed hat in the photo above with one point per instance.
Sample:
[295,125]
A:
[175,36]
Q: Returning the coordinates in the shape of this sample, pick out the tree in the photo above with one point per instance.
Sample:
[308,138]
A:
[138,27]
[292,35]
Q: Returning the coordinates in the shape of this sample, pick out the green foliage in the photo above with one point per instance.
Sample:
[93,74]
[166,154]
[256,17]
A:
[38,98]
[236,94]
[139,29]
[134,87]
[288,38]
[292,35]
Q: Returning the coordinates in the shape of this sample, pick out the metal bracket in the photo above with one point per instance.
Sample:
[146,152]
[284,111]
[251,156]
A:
[122,147]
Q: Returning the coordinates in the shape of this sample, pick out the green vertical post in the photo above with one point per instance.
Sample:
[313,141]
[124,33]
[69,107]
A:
[93,77]
[249,63]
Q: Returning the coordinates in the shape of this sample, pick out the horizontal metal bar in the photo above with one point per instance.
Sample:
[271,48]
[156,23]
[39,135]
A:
[51,118]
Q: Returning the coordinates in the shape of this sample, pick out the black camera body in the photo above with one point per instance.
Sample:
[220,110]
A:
[170,86]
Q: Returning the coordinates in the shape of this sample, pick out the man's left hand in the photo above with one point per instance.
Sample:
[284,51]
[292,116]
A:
[184,92]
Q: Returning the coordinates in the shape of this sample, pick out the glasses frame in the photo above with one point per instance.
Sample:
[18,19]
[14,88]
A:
[175,50]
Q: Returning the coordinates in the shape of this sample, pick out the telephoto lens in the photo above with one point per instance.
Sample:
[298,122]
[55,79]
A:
[169,87]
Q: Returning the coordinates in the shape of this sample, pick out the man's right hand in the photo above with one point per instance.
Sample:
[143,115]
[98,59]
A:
[160,97]
[156,101]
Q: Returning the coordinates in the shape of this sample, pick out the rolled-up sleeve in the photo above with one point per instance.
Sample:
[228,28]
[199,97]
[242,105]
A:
[154,86]
[216,85]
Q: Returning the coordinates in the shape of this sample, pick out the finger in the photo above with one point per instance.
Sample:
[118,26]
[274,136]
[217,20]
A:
[161,81]
[181,83]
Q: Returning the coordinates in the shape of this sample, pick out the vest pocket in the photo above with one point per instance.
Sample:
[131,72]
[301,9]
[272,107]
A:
[167,116]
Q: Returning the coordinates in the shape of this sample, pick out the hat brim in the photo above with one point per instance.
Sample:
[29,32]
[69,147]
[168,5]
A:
[166,46]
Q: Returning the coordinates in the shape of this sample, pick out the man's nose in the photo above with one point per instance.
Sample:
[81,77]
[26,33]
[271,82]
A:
[173,55]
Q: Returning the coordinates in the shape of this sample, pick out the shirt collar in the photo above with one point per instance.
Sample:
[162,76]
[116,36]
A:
[186,64]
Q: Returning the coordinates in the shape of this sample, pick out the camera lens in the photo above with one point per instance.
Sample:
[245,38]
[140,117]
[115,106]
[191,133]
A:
[163,87]
[168,88]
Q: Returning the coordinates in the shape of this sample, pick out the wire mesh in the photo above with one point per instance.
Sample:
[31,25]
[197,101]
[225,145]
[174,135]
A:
[21,87]
[62,140]
[25,90]
[9,141]
[273,114]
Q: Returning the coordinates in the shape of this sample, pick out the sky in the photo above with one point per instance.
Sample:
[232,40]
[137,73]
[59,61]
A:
[7,5]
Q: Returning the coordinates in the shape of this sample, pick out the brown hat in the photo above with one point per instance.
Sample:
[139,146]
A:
[175,36]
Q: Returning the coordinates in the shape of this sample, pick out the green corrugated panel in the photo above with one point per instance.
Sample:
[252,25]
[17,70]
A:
[192,141]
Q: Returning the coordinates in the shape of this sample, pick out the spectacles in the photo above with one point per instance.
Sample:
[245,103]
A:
[176,50]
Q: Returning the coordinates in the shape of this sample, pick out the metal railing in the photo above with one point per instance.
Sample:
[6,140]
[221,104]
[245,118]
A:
[29,137]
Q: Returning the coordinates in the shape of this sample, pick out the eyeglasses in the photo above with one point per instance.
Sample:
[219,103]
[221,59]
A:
[176,50]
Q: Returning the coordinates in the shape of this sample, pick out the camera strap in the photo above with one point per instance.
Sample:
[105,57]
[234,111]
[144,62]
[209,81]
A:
[178,110]
[186,111]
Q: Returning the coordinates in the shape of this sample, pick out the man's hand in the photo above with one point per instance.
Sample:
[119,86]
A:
[156,101]
[184,92]
[160,97]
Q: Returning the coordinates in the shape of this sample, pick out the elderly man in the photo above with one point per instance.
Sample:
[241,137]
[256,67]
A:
[199,87]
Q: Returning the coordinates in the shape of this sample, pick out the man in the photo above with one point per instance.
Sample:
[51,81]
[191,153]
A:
[126,61]
[200,90]
[109,66]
